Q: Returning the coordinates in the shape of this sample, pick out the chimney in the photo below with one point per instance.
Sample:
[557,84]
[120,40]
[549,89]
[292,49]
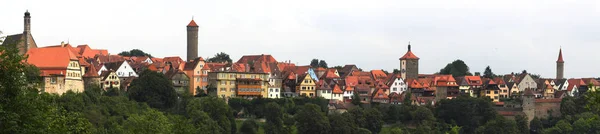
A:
[62,44]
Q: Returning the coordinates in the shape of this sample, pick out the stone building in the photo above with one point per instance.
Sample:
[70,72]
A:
[192,40]
[23,41]
[409,65]
[560,66]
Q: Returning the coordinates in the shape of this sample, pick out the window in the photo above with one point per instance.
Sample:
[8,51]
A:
[487,92]
[303,88]
[223,90]
[222,82]
[394,89]
[276,90]
[204,79]
[496,92]
[232,83]
[197,72]
[198,79]
[232,90]
[53,80]
[270,90]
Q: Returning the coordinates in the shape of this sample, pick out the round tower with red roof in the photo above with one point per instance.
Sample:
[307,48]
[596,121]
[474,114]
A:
[192,40]
[560,65]
[409,65]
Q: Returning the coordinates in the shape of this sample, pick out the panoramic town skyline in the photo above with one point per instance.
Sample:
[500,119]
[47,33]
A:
[508,36]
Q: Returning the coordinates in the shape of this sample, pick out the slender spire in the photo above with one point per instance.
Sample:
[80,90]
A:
[409,46]
[560,57]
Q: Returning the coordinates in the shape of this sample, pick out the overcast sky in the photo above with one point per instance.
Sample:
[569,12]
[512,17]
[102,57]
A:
[508,35]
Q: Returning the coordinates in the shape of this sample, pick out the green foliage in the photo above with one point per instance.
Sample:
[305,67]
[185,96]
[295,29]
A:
[467,112]
[274,124]
[358,116]
[135,52]
[457,68]
[314,63]
[342,123]
[148,122]
[220,58]
[423,117]
[569,106]
[323,64]
[536,126]
[155,89]
[593,102]
[396,131]
[488,73]
[311,120]
[338,67]
[374,120]
[363,131]
[355,99]
[217,110]
[562,127]
[396,71]
[500,125]
[250,126]
[522,124]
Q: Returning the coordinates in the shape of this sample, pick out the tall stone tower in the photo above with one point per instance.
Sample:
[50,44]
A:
[409,65]
[560,66]
[26,31]
[192,40]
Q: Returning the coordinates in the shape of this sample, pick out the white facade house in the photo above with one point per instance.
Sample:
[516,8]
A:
[337,93]
[526,82]
[274,92]
[123,69]
[102,68]
[397,86]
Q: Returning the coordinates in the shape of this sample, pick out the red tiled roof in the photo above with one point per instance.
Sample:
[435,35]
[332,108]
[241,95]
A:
[380,95]
[499,80]
[51,57]
[574,83]
[257,59]
[560,58]
[351,81]
[473,80]
[444,80]
[92,72]
[82,62]
[378,74]
[506,113]
[337,90]
[192,24]
[409,56]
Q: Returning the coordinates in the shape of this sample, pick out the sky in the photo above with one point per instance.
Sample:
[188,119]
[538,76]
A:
[507,35]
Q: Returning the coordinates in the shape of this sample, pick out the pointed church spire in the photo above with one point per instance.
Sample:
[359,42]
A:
[560,57]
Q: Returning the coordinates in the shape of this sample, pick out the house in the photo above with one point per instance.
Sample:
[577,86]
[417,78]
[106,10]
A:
[444,87]
[396,84]
[198,76]
[592,83]
[122,68]
[491,89]
[275,84]
[59,68]
[347,70]
[504,90]
[324,90]
[378,75]
[549,92]
[180,81]
[228,83]
[86,52]
[257,59]
[513,88]
[306,86]
[380,97]
[110,79]
[338,94]
[350,83]
[470,85]
[525,81]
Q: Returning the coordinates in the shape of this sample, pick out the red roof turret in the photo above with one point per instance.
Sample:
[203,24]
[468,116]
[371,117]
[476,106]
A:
[409,55]
[192,24]
[560,59]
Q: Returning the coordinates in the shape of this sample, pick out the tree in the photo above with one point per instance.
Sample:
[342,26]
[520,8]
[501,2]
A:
[396,130]
[311,120]
[323,64]
[338,67]
[135,52]
[274,124]
[466,112]
[569,107]
[393,114]
[535,126]
[220,58]
[149,122]
[522,124]
[355,99]
[423,116]
[562,127]
[153,88]
[218,110]
[342,123]
[396,71]
[488,73]
[203,122]
[374,120]
[358,116]
[500,125]
[593,102]
[363,131]
[314,63]
[249,126]
[457,68]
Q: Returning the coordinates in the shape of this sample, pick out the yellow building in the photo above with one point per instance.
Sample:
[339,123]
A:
[110,79]
[491,90]
[306,86]
[238,84]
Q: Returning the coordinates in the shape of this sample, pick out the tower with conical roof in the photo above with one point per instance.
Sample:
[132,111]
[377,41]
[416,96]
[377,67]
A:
[192,40]
[409,65]
[560,65]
